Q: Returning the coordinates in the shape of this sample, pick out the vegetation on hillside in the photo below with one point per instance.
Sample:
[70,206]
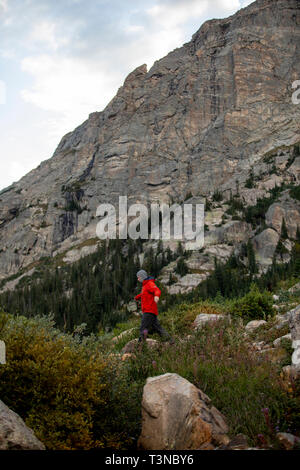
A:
[75,392]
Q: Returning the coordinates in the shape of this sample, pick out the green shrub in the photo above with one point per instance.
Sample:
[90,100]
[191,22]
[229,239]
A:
[53,382]
[217,196]
[254,305]
[295,192]
[181,267]
[250,183]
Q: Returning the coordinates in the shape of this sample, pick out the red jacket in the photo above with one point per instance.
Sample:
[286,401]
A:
[149,291]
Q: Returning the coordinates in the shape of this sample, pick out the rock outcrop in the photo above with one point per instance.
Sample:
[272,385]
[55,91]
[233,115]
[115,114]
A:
[14,434]
[254,324]
[204,318]
[176,415]
[197,122]
[265,245]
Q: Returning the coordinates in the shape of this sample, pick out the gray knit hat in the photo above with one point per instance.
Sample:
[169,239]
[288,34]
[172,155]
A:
[142,274]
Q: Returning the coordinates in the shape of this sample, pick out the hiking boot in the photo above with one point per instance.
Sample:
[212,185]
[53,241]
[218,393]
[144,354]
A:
[145,334]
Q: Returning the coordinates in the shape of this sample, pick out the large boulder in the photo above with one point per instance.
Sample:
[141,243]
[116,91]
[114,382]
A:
[204,318]
[264,245]
[176,415]
[254,324]
[235,231]
[187,283]
[286,210]
[14,434]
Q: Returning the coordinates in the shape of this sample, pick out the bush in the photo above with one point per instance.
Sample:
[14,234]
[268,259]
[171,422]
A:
[181,267]
[54,382]
[254,305]
[250,183]
[217,196]
[295,192]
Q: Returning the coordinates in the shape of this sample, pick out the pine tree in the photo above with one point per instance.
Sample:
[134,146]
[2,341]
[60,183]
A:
[284,232]
[181,267]
[180,251]
[251,258]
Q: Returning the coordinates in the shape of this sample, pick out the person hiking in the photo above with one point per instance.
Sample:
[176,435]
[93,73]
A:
[149,298]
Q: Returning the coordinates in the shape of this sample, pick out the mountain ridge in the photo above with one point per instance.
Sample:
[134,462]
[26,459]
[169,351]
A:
[198,121]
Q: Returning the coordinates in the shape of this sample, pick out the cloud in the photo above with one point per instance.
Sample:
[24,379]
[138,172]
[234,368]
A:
[46,32]
[69,86]
[170,16]
[172,13]
[3,6]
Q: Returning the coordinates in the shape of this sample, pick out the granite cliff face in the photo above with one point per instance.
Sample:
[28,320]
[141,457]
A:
[198,121]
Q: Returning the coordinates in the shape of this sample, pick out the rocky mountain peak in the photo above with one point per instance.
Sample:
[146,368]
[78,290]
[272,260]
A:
[197,122]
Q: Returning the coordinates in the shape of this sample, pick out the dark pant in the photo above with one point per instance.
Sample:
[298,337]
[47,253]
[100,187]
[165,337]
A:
[150,324]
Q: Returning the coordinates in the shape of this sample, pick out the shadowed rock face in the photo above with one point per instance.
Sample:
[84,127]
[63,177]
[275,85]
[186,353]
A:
[195,122]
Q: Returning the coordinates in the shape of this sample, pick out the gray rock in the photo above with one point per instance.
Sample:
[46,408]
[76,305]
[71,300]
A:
[132,306]
[254,324]
[265,245]
[204,318]
[277,342]
[294,322]
[287,210]
[235,231]
[78,253]
[281,321]
[186,283]
[14,434]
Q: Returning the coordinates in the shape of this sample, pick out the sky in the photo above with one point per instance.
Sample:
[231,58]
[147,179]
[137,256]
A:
[62,60]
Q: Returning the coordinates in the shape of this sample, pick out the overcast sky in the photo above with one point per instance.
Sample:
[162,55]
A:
[60,60]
